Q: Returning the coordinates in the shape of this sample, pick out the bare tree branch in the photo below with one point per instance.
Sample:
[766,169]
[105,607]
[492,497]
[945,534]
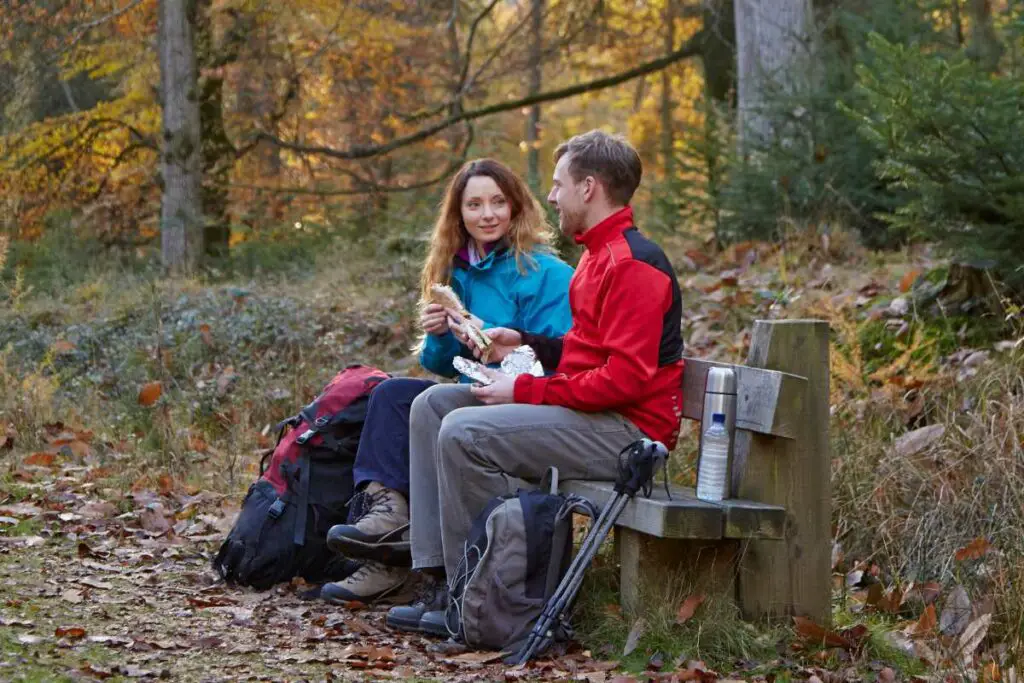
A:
[691,48]
[469,45]
[370,187]
[89,25]
[69,96]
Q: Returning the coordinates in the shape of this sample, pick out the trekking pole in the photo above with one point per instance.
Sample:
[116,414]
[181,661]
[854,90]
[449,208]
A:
[643,459]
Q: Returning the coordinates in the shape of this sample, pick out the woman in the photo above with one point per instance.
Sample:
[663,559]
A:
[490,244]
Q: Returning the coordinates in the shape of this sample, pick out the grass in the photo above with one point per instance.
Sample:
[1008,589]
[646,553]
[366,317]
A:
[715,635]
[231,359]
[27,663]
[25,527]
[911,514]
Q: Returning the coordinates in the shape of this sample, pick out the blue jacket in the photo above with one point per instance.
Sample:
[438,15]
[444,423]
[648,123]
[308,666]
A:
[496,292]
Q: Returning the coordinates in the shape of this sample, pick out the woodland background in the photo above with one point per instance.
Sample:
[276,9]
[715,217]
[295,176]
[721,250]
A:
[207,207]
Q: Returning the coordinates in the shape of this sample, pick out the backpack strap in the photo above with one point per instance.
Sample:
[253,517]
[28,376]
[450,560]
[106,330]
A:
[292,422]
[322,426]
[302,500]
[560,537]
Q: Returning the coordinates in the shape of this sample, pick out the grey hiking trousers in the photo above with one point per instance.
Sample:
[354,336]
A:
[463,453]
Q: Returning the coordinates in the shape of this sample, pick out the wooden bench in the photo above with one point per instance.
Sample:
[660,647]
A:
[768,547]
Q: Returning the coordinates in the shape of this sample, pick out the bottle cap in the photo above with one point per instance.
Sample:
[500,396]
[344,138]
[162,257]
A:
[718,418]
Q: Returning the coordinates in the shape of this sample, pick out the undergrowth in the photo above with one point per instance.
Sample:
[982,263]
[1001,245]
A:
[715,635]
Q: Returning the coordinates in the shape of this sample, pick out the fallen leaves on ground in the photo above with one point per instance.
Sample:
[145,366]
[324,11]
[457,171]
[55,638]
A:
[132,577]
[150,393]
[689,606]
[848,639]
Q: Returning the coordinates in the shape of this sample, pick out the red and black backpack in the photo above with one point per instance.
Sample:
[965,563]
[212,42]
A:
[282,528]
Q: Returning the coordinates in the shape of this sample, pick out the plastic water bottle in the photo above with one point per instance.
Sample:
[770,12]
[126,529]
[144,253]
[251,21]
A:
[713,472]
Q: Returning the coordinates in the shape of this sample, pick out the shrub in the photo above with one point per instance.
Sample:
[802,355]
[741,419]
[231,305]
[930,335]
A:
[951,137]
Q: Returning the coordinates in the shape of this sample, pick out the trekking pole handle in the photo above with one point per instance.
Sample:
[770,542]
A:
[645,458]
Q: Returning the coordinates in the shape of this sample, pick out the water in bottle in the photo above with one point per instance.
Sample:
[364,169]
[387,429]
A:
[713,472]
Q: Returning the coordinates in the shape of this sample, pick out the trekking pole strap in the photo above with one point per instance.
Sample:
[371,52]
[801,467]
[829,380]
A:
[638,463]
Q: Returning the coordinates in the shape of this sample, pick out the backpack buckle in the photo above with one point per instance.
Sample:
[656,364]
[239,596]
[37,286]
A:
[305,436]
[321,421]
[276,509]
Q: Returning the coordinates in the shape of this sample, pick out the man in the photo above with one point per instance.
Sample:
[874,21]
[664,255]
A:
[617,375]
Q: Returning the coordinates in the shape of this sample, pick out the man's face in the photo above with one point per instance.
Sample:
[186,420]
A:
[567,198]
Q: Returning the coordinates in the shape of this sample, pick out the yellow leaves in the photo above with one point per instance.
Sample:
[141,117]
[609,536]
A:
[67,159]
[916,360]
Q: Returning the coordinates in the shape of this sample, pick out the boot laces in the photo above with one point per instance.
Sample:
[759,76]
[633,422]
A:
[363,572]
[427,592]
[380,503]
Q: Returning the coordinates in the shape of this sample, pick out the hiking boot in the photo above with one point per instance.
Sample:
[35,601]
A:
[381,533]
[435,623]
[372,581]
[432,596]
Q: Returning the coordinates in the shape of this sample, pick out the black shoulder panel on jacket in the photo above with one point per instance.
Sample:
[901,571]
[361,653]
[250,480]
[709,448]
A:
[671,348]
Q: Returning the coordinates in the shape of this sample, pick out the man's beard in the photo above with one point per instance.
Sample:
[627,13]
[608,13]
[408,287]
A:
[571,223]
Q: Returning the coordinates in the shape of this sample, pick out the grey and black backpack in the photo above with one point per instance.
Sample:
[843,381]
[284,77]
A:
[518,549]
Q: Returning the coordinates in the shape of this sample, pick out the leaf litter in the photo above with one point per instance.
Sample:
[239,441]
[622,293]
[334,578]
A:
[138,585]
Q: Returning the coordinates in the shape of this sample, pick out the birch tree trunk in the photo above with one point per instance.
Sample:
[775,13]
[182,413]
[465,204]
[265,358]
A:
[181,229]
[667,129]
[773,57]
[533,120]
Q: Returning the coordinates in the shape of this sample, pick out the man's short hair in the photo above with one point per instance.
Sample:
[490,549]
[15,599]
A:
[609,158]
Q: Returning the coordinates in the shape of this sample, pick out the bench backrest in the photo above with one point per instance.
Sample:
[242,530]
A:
[767,401]
[781,457]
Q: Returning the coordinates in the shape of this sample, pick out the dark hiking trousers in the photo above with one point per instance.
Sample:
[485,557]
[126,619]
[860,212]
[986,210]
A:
[383,454]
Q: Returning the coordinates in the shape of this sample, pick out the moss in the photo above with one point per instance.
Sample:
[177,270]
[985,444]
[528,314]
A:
[878,345]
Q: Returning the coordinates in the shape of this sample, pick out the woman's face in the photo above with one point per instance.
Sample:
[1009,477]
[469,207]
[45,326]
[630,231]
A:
[486,211]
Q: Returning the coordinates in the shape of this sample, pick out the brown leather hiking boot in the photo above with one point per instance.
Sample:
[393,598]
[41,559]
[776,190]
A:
[381,533]
[372,581]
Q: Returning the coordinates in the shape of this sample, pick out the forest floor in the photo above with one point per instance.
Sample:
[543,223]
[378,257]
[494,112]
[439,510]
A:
[133,409]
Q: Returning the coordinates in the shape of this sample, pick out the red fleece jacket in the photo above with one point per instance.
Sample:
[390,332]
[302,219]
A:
[624,350]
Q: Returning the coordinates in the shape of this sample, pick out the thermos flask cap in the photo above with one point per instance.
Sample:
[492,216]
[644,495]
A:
[721,381]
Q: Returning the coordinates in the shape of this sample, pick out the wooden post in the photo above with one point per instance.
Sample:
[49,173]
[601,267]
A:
[653,566]
[791,577]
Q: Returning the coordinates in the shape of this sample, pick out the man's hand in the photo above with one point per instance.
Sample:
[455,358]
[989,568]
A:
[503,342]
[500,391]
[434,319]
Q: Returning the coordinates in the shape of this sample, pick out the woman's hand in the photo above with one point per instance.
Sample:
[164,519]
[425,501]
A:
[503,342]
[434,320]
[456,321]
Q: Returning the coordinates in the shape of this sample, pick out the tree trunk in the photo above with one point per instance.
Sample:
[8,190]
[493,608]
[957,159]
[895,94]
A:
[773,59]
[667,131]
[719,51]
[958,23]
[533,120]
[984,46]
[218,153]
[21,105]
[180,214]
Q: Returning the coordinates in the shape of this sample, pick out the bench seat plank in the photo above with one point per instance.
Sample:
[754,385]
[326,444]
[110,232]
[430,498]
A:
[686,516]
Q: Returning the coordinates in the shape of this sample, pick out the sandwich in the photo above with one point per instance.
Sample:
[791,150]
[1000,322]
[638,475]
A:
[445,296]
